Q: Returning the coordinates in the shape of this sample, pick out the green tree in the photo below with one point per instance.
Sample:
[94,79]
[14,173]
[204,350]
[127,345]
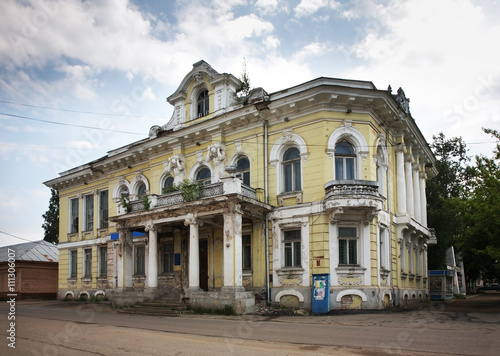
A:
[51,219]
[445,194]
[480,242]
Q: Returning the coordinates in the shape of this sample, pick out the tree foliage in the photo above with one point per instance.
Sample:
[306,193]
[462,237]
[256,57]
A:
[464,208]
[444,195]
[480,242]
[51,219]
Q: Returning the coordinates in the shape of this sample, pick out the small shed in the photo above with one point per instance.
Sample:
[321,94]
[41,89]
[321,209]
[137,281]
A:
[29,270]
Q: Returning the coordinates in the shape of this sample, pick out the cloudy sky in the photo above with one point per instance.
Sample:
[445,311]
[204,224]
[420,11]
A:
[79,78]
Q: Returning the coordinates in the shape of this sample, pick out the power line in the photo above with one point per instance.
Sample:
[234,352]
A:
[72,125]
[78,111]
[17,237]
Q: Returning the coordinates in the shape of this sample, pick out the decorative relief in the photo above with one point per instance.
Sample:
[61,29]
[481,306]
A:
[217,153]
[350,280]
[289,282]
[176,164]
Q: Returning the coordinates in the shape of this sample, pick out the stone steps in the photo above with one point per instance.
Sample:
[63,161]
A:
[167,305]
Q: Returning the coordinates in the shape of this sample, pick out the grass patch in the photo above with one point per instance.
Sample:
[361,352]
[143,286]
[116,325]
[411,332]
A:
[226,310]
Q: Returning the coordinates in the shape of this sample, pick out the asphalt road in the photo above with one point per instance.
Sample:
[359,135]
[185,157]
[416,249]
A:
[460,327]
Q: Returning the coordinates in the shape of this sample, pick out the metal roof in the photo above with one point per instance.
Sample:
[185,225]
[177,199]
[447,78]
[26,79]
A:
[41,251]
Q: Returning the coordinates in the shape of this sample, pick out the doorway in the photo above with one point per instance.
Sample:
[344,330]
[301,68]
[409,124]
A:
[204,265]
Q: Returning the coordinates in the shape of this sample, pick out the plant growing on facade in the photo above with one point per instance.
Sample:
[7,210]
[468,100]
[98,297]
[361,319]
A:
[126,204]
[190,190]
[146,203]
[243,92]
[171,189]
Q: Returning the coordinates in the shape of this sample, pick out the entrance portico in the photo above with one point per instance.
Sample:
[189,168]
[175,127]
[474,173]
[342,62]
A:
[215,222]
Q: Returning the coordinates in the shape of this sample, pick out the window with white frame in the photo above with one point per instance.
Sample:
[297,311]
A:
[103,209]
[204,176]
[348,246]
[246,245]
[168,257]
[292,248]
[345,161]
[89,212]
[87,263]
[203,102]
[243,170]
[73,263]
[103,261]
[73,215]
[291,170]
[141,190]
[140,260]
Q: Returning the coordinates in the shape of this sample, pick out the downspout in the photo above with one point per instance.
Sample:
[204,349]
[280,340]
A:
[266,223]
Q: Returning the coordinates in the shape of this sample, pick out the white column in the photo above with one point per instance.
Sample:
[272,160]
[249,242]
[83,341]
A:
[409,185]
[401,184]
[416,193]
[232,269]
[152,278]
[126,252]
[194,251]
[423,198]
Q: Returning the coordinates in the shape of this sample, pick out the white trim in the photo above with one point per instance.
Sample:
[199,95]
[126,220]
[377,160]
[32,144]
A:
[289,292]
[135,184]
[85,243]
[352,291]
[289,139]
[356,138]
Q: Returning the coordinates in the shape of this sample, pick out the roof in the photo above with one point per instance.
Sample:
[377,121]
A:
[41,251]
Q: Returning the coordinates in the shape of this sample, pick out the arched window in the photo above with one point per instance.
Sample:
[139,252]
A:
[168,184]
[124,193]
[291,170]
[141,191]
[203,103]
[243,170]
[204,176]
[345,161]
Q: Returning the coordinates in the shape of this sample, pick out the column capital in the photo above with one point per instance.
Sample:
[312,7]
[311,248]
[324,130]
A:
[400,148]
[150,226]
[192,219]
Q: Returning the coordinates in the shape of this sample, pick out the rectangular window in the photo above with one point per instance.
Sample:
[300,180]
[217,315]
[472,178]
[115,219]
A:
[168,257]
[348,246]
[140,260]
[87,263]
[103,261]
[73,263]
[247,251]
[73,215]
[89,212]
[344,168]
[292,248]
[103,209]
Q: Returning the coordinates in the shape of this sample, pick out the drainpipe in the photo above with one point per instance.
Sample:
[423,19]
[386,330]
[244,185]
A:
[266,223]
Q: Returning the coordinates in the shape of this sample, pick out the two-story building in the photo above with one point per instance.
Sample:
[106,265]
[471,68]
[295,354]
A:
[238,196]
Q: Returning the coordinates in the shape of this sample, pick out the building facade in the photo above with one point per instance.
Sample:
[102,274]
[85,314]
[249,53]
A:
[324,177]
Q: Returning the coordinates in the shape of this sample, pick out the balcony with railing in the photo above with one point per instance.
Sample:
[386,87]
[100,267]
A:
[353,194]
[227,186]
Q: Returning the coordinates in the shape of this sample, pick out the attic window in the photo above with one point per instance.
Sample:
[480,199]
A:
[203,103]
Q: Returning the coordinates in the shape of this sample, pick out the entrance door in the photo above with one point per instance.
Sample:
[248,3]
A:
[204,265]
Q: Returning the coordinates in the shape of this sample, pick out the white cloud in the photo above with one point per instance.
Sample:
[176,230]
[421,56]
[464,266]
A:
[441,53]
[309,7]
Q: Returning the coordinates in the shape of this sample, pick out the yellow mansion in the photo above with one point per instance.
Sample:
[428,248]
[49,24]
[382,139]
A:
[243,196]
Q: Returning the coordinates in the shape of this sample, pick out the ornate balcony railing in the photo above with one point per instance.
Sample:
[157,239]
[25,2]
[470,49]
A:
[227,186]
[351,188]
